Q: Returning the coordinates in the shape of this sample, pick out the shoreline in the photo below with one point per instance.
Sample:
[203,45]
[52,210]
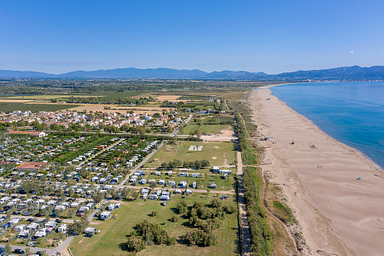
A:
[343,143]
[321,184]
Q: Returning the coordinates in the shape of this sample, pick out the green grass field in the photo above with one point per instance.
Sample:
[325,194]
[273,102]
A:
[9,107]
[214,129]
[190,128]
[217,153]
[113,235]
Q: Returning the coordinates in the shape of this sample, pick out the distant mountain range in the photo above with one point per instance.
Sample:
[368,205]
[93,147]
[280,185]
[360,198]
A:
[343,73]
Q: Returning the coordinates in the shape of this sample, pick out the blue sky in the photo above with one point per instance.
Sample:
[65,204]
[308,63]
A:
[271,36]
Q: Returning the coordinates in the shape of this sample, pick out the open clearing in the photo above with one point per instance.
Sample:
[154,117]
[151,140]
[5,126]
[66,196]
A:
[113,235]
[170,98]
[214,129]
[217,153]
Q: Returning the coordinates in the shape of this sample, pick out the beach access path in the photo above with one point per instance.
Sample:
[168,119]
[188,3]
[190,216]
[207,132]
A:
[338,212]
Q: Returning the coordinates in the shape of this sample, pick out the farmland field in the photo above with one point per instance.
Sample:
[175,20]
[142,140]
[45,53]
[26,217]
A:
[113,235]
[9,107]
[217,153]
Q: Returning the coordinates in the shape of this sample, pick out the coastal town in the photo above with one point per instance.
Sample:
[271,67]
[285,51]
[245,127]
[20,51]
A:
[64,173]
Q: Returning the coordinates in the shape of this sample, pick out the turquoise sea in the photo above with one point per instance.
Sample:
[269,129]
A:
[350,112]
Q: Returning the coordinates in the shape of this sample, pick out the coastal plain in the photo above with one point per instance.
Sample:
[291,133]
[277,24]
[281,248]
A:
[336,194]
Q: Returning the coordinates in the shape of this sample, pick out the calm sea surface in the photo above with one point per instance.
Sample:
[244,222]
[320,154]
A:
[350,112]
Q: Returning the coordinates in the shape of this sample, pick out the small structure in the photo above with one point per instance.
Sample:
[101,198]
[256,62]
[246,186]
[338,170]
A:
[23,234]
[30,167]
[33,226]
[105,215]
[212,185]
[225,171]
[195,148]
[90,230]
[62,228]
[182,184]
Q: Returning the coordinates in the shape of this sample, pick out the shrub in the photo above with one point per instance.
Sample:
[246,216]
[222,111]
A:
[135,244]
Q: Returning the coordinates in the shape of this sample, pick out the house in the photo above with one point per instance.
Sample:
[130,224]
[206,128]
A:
[30,167]
[188,192]
[183,174]
[194,184]
[161,182]
[171,183]
[111,207]
[62,228]
[105,215]
[90,230]
[177,192]
[215,168]
[195,175]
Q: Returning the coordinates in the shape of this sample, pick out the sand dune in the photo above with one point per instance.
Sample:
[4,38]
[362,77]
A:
[338,213]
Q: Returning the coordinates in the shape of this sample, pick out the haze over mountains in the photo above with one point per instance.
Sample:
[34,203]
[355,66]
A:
[342,73]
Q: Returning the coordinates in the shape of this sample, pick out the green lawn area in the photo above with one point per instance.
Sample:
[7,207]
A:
[113,235]
[9,107]
[217,153]
[214,129]
[190,128]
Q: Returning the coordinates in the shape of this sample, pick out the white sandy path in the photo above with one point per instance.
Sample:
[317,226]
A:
[338,213]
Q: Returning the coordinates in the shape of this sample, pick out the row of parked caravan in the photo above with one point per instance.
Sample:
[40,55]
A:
[38,229]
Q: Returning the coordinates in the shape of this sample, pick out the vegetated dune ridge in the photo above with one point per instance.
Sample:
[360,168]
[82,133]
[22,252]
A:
[338,212]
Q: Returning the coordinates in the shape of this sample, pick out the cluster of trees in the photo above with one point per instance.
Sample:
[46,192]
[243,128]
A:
[200,237]
[177,163]
[206,218]
[110,100]
[78,227]
[148,234]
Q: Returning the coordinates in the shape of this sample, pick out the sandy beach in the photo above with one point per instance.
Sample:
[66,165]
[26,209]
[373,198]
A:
[339,213]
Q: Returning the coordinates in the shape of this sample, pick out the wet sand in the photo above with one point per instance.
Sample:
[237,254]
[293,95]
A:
[338,212]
